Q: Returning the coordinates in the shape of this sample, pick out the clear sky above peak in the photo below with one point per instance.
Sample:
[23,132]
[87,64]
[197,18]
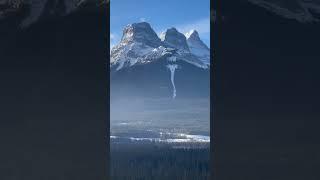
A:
[185,15]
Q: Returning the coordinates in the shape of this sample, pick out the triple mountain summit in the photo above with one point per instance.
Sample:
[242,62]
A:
[140,44]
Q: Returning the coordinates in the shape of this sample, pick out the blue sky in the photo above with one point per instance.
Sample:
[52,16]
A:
[184,15]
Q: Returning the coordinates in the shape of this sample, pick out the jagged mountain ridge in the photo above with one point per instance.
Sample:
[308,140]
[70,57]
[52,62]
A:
[197,47]
[146,65]
[140,45]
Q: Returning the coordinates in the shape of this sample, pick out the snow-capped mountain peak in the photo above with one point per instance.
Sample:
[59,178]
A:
[197,47]
[141,32]
[175,39]
[192,34]
[141,56]
[141,45]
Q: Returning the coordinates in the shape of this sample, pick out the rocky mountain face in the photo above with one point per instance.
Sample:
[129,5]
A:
[141,45]
[174,39]
[197,47]
[144,63]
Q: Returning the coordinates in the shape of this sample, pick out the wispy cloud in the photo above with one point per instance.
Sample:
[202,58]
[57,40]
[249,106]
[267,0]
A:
[113,39]
[201,25]
[142,19]
[112,36]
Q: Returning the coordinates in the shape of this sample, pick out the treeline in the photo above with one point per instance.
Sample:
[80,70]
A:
[152,162]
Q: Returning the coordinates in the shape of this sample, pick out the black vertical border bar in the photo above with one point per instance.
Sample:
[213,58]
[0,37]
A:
[211,92]
[108,89]
[213,61]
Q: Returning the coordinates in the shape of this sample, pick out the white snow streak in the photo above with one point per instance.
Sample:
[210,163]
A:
[172,68]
